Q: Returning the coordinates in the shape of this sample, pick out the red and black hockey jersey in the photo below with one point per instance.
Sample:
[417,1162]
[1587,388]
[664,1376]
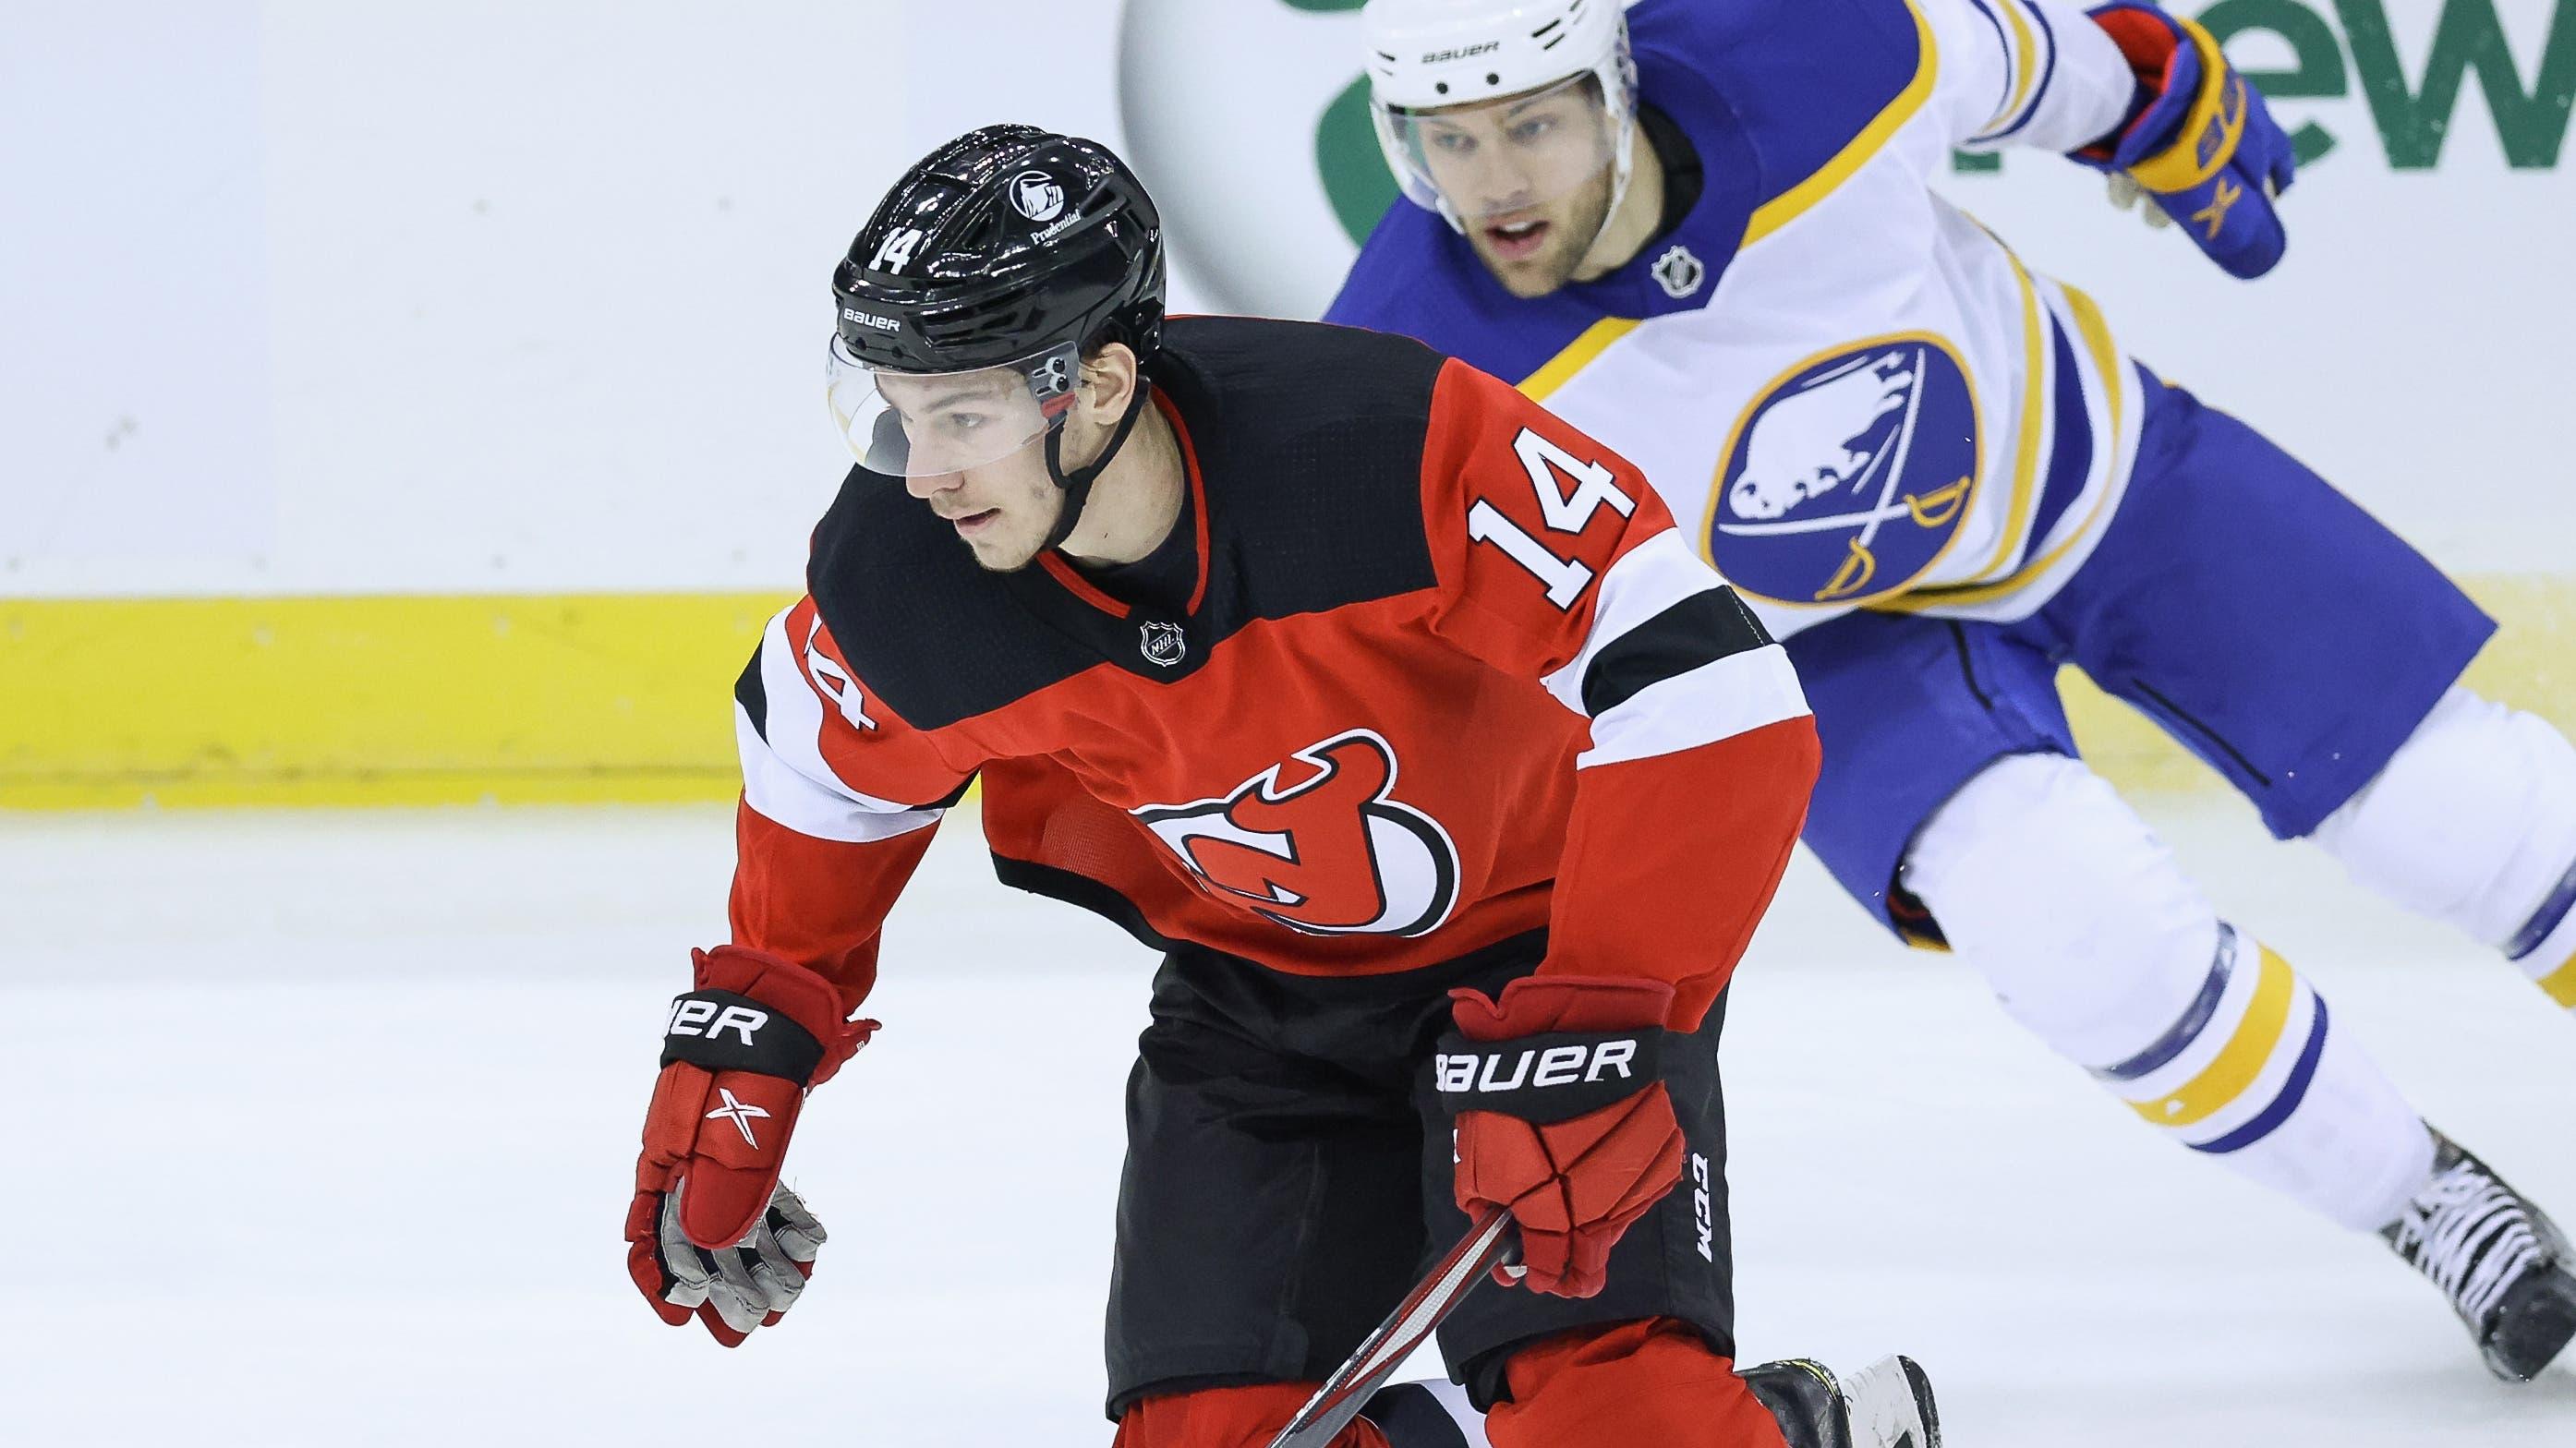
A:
[1448,674]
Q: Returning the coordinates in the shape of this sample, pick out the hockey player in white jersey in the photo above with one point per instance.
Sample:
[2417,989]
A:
[1706,234]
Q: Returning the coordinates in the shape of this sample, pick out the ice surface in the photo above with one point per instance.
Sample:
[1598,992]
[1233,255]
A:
[321,1129]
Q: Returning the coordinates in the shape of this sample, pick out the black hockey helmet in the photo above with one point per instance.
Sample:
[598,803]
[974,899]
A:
[1010,250]
[1000,242]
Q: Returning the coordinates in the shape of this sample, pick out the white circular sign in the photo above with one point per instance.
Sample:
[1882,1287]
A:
[1223,107]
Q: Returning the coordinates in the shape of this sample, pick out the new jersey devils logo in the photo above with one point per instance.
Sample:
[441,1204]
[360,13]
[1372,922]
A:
[1316,844]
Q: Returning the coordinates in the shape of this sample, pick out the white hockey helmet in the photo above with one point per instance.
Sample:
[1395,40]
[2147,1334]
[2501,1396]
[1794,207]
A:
[1427,55]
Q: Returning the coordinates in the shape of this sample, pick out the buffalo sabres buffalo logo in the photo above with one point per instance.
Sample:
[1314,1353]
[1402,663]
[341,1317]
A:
[1163,643]
[1316,844]
[1850,476]
[1037,195]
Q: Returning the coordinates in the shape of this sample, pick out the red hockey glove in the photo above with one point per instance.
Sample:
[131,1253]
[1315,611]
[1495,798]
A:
[1562,1117]
[710,1228]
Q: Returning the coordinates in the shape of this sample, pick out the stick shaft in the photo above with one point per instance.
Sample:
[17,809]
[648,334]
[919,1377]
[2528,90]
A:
[1488,1241]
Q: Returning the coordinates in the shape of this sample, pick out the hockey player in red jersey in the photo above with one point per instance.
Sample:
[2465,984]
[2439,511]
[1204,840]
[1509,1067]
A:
[1391,710]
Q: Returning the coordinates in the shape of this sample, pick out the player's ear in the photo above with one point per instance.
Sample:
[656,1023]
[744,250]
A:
[1109,382]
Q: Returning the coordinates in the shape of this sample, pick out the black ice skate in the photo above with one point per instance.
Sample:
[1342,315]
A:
[1885,1405]
[2497,1257]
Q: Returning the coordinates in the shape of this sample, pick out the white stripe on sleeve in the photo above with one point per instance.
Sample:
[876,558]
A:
[2082,86]
[1718,700]
[1649,578]
[784,775]
[809,808]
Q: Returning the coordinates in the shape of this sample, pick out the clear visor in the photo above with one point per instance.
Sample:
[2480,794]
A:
[1495,158]
[925,424]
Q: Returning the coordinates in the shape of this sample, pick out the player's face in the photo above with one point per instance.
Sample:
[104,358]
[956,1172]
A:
[1530,176]
[1002,508]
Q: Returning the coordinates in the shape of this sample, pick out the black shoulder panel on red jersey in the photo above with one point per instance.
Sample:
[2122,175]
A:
[751,694]
[1699,630]
[924,627]
[1309,443]
[1310,438]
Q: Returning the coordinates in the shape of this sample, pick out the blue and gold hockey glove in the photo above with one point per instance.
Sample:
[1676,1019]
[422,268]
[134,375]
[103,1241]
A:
[2201,143]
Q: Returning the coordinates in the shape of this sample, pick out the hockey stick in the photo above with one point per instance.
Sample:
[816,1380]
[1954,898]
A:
[1489,1242]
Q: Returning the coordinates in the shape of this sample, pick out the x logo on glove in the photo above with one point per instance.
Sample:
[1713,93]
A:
[2221,201]
[740,1115]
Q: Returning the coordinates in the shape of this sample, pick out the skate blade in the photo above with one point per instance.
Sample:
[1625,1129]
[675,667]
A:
[1891,1405]
[2533,1325]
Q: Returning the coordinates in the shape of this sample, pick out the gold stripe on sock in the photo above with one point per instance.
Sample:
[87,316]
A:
[2560,984]
[2241,1061]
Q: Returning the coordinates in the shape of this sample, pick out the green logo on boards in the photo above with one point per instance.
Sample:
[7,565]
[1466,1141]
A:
[1356,180]
[1270,171]
[2412,113]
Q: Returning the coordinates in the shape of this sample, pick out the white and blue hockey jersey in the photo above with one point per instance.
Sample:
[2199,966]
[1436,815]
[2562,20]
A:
[1851,394]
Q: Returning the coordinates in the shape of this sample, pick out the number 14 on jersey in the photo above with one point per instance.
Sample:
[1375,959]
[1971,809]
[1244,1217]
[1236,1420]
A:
[1563,508]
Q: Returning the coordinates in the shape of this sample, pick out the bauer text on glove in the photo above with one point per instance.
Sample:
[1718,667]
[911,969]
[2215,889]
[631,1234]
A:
[1562,1116]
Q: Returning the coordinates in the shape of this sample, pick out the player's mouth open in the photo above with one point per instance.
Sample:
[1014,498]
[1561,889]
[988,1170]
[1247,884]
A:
[1514,240]
[970,522]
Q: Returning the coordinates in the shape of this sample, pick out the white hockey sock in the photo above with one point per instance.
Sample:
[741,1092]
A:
[2255,1074]
[2473,822]
[2551,960]
[2090,934]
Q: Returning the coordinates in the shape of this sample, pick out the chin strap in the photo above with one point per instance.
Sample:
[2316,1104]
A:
[1077,485]
[1623,169]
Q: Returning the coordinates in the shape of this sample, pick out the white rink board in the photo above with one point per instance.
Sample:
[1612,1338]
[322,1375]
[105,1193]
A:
[426,296]
[327,1125]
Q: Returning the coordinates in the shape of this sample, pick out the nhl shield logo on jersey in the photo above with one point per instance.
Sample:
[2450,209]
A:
[1678,272]
[1850,476]
[1163,643]
[1317,845]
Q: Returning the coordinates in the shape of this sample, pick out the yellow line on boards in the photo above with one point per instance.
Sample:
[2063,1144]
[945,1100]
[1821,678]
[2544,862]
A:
[623,698]
[552,698]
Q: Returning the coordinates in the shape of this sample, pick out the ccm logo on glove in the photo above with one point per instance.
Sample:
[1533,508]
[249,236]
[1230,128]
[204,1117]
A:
[1548,1078]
